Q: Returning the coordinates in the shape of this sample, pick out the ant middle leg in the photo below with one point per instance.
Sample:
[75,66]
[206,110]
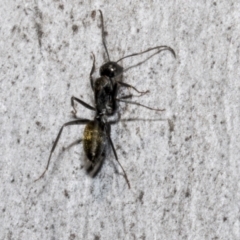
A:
[123,84]
[82,103]
[76,122]
[92,71]
[122,99]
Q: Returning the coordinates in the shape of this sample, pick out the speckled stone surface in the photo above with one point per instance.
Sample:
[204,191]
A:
[183,164]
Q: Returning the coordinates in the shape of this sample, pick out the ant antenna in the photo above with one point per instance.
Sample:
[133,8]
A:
[160,49]
[103,35]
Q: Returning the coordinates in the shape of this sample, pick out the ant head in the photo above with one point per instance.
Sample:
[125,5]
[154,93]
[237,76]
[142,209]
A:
[111,69]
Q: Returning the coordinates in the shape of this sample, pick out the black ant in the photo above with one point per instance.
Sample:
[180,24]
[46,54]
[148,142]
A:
[96,137]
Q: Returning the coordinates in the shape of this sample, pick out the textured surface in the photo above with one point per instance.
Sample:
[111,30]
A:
[184,172]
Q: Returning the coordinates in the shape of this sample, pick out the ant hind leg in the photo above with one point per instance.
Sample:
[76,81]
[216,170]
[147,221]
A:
[116,157]
[75,122]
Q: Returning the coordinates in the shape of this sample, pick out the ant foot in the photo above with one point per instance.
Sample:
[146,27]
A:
[74,113]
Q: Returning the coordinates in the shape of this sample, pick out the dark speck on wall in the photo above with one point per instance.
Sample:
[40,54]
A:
[140,197]
[61,6]
[66,194]
[96,237]
[75,28]
[187,194]
[72,236]
[93,15]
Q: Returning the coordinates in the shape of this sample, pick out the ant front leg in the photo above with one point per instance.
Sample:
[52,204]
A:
[92,71]
[82,103]
[103,34]
[76,122]
[130,86]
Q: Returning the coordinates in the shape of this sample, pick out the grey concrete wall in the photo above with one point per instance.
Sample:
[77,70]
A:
[183,164]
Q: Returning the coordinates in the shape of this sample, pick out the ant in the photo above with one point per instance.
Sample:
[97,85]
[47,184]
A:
[97,132]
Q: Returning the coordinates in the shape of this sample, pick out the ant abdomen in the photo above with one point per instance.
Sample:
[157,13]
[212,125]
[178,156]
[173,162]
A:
[94,141]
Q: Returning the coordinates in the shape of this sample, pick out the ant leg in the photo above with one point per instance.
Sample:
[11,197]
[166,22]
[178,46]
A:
[76,122]
[116,157]
[135,103]
[81,102]
[92,71]
[124,97]
[130,86]
[93,170]
[103,35]
[72,144]
[159,48]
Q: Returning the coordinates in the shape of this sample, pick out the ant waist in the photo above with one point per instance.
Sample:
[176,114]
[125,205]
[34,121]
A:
[108,118]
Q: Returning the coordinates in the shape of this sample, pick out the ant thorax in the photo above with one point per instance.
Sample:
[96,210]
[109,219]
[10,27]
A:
[103,91]
[109,119]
